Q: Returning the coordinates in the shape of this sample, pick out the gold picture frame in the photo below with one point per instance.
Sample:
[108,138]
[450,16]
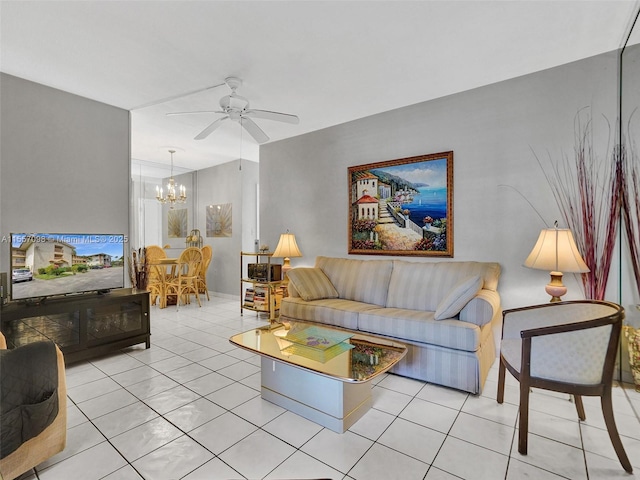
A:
[402,207]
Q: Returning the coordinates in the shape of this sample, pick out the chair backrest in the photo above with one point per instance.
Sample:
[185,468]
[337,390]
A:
[207,254]
[570,342]
[189,262]
[154,252]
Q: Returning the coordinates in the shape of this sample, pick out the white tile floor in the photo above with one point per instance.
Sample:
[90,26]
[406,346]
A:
[190,408]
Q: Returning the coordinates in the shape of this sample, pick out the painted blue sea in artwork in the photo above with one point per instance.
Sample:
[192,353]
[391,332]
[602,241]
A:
[429,201]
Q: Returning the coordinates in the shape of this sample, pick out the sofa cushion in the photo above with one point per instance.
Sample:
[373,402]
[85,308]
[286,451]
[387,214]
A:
[332,311]
[422,286]
[414,325]
[359,280]
[458,297]
[311,283]
[28,393]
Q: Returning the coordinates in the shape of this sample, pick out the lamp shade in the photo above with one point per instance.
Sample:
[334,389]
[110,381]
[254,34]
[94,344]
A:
[556,251]
[287,246]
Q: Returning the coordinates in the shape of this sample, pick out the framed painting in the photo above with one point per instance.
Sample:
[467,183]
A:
[177,223]
[402,207]
[219,220]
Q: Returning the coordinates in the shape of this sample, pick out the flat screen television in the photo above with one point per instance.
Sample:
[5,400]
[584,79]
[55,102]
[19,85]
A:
[47,264]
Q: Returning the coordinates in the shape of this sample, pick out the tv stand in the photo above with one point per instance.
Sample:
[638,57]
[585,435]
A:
[83,326]
[35,301]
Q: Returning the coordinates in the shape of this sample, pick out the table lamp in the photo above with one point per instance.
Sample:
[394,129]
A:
[287,248]
[556,251]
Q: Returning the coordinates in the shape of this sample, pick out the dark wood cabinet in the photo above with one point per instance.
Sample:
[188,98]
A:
[83,326]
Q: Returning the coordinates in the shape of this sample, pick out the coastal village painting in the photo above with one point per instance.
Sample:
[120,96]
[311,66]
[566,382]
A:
[402,207]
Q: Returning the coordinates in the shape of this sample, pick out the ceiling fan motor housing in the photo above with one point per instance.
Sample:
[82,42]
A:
[234,102]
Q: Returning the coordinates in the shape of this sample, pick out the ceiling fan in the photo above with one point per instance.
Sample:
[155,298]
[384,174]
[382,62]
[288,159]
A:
[235,107]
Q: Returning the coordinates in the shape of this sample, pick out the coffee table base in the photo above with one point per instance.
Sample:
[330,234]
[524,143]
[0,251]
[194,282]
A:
[329,402]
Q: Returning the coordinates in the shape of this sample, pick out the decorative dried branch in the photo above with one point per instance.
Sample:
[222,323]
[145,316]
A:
[587,192]
[139,268]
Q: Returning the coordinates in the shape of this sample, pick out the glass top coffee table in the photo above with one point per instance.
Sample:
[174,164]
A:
[319,372]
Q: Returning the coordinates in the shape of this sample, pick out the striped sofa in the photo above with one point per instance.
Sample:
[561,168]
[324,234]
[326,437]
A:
[443,311]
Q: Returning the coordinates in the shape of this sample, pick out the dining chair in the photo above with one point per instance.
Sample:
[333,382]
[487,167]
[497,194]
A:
[207,253]
[185,282]
[567,347]
[155,281]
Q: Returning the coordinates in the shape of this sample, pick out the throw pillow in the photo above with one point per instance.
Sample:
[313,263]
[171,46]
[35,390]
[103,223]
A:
[458,297]
[312,283]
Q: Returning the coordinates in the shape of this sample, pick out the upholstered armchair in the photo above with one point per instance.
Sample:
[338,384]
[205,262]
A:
[567,347]
[49,441]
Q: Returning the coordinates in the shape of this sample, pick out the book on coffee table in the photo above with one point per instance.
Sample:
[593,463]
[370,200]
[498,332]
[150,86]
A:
[317,343]
[318,337]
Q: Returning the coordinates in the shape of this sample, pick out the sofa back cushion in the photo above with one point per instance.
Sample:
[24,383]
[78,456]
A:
[311,283]
[360,280]
[422,286]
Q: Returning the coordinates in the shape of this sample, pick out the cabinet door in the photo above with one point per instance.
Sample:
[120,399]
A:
[109,322]
[62,328]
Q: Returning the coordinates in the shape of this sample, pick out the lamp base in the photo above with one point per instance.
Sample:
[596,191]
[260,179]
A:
[555,287]
[286,266]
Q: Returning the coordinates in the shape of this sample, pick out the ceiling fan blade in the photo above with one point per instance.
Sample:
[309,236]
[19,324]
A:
[254,130]
[207,131]
[267,115]
[174,97]
[189,113]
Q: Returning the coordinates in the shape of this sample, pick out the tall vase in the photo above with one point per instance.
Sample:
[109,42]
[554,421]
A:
[633,336]
[141,280]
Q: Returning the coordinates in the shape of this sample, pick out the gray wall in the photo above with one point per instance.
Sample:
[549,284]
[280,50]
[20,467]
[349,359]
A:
[64,163]
[227,183]
[492,131]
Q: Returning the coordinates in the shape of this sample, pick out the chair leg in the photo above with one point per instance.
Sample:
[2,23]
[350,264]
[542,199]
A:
[609,420]
[580,407]
[501,374]
[523,424]
[194,286]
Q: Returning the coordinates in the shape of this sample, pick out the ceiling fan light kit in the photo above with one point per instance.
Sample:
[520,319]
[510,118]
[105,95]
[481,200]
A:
[236,108]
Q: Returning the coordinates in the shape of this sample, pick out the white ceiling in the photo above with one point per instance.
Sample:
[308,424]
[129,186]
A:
[328,62]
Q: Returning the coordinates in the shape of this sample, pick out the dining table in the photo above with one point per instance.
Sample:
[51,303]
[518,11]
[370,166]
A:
[165,270]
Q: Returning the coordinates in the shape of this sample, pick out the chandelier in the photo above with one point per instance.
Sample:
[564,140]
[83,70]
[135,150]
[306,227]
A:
[175,193]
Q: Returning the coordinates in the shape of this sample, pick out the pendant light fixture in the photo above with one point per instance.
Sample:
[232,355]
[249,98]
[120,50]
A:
[175,193]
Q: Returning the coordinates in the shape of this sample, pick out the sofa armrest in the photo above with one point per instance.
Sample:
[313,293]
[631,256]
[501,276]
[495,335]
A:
[482,309]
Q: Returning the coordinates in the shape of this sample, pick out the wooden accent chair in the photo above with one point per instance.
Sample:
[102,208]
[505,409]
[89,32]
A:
[567,347]
[50,441]
[207,253]
[155,283]
[185,282]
